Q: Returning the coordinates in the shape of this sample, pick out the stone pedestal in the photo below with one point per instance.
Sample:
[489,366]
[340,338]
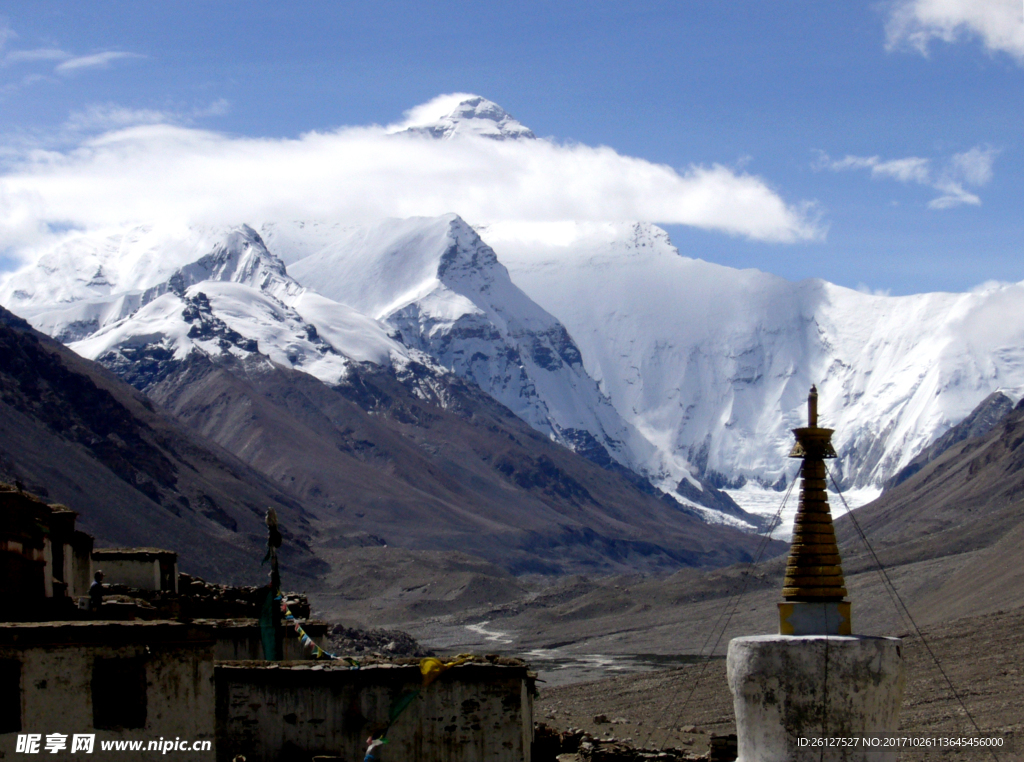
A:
[786,688]
[815,618]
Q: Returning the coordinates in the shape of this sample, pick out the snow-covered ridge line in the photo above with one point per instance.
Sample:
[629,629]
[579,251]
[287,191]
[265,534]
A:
[604,336]
[446,294]
[235,298]
[713,364]
[601,335]
[428,291]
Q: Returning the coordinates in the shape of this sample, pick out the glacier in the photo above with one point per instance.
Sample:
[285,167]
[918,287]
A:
[714,363]
[441,287]
[216,291]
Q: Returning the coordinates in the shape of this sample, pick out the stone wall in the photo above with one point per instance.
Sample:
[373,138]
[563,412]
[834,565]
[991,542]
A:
[473,712]
[43,559]
[143,568]
[118,680]
[241,639]
[142,573]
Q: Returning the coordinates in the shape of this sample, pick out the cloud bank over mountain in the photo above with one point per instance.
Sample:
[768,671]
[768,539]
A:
[174,173]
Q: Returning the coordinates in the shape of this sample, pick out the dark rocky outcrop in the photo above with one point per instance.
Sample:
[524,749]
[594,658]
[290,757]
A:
[989,412]
[965,506]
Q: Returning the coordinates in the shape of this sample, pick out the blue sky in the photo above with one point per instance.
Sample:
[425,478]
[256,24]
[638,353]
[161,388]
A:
[891,130]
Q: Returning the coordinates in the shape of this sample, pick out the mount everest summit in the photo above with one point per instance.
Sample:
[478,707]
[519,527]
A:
[463,114]
[601,336]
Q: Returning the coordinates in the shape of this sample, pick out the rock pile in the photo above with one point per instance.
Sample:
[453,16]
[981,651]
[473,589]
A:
[551,745]
[348,640]
[195,599]
[207,600]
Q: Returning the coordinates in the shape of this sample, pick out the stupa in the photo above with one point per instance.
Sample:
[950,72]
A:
[814,679]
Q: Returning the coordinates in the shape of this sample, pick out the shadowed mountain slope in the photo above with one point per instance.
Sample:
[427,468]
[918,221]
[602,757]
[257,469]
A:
[399,457]
[73,433]
[966,505]
[981,420]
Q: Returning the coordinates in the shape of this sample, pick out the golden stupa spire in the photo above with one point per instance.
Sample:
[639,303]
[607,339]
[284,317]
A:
[814,573]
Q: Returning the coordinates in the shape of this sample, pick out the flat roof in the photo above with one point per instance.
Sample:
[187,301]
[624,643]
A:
[115,554]
[311,626]
[103,632]
[402,668]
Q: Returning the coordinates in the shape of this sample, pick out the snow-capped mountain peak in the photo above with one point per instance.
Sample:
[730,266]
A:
[239,257]
[92,280]
[600,335]
[445,292]
[215,291]
[449,116]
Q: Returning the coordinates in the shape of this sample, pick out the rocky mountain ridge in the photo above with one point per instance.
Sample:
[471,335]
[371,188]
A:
[425,292]
[73,433]
[713,363]
[373,461]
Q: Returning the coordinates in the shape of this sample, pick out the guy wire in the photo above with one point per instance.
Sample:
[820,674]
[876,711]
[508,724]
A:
[888,585]
[734,604]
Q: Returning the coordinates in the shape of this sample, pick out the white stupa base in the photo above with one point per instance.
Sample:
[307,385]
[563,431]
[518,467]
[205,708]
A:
[787,688]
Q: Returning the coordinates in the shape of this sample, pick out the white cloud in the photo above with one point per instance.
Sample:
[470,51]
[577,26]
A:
[953,195]
[973,167]
[94,61]
[989,286]
[6,33]
[92,121]
[39,54]
[110,116]
[105,117]
[68,62]
[999,24]
[864,288]
[912,169]
[28,79]
[164,172]
[849,162]
[219,107]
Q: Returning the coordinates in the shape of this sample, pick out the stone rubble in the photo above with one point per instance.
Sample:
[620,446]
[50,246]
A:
[350,641]
[574,745]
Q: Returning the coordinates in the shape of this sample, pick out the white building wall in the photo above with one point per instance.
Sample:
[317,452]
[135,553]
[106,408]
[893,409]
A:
[81,573]
[787,688]
[471,713]
[56,683]
[141,573]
